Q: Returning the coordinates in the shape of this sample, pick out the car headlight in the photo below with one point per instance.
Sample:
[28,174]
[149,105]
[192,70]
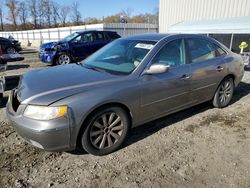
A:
[45,112]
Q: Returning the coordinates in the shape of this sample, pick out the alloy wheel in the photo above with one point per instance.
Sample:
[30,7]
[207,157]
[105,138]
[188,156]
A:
[225,92]
[63,59]
[11,50]
[106,130]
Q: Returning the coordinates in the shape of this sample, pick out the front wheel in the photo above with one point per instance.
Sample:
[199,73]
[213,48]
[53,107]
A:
[11,50]
[224,93]
[63,59]
[105,132]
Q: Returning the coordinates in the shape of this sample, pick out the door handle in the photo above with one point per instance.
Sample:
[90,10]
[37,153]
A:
[185,77]
[219,68]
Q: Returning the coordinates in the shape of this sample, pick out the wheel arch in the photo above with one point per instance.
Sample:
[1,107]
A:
[63,52]
[229,76]
[103,106]
[225,77]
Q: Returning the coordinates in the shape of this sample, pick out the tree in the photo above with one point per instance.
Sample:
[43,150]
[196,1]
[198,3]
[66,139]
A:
[47,11]
[112,19]
[55,12]
[76,15]
[23,13]
[91,20]
[13,11]
[1,17]
[34,12]
[127,13]
[63,14]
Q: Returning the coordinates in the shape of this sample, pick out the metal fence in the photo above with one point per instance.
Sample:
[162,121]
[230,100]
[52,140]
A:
[46,35]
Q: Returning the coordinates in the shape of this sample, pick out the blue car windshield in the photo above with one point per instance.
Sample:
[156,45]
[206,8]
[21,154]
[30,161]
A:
[121,56]
[69,37]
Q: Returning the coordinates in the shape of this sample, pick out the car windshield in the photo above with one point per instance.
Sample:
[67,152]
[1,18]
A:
[69,37]
[120,57]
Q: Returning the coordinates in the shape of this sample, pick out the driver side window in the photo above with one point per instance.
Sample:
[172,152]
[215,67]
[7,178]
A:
[84,38]
[172,54]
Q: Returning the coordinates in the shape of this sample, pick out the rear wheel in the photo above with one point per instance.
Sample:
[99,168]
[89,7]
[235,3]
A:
[106,130]
[224,93]
[63,59]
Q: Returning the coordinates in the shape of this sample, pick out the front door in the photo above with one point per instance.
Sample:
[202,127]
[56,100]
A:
[82,46]
[164,93]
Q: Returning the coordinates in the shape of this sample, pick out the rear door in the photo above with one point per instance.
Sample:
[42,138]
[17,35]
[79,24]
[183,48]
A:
[100,40]
[208,68]
[167,92]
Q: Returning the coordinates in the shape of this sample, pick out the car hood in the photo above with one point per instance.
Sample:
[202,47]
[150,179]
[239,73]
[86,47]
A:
[49,45]
[48,85]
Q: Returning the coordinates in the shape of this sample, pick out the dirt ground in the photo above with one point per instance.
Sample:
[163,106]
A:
[198,147]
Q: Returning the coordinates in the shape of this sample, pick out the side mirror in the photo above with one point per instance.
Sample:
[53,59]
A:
[157,69]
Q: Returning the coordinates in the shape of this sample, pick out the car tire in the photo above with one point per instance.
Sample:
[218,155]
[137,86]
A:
[105,131]
[224,93]
[1,100]
[63,59]
[11,50]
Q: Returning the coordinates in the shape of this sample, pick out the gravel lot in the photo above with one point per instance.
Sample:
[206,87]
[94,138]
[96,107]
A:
[198,147]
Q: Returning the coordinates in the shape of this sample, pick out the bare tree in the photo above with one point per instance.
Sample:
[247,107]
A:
[75,13]
[1,17]
[47,11]
[55,13]
[128,12]
[63,14]
[34,12]
[23,13]
[12,6]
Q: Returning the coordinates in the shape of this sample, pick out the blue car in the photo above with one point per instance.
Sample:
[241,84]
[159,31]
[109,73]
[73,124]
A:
[75,47]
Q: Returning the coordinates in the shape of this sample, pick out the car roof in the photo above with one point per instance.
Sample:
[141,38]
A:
[87,31]
[2,38]
[149,37]
[159,36]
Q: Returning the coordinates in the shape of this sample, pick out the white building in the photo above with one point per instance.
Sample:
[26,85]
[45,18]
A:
[226,20]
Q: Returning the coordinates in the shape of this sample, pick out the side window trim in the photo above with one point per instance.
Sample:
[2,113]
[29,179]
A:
[187,50]
[219,47]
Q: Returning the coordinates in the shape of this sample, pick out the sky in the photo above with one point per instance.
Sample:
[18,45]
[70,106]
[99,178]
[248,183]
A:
[100,8]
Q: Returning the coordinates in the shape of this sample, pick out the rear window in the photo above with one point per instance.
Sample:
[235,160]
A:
[99,36]
[201,50]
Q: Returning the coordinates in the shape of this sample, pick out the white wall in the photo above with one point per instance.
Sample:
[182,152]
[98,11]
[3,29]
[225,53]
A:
[34,38]
[175,11]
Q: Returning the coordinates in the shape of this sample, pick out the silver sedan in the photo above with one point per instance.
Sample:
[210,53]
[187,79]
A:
[131,81]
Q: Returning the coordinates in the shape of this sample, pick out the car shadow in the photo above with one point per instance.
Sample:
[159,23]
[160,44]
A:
[141,132]
[14,67]
[148,129]
[242,90]
[3,102]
